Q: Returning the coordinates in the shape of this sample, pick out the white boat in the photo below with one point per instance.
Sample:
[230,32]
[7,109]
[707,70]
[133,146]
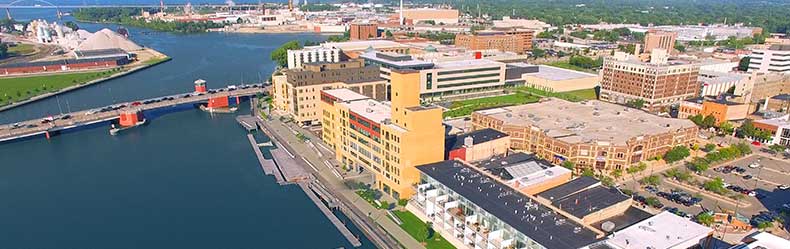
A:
[114,130]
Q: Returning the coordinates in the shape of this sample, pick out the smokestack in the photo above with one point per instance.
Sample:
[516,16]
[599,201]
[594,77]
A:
[400,19]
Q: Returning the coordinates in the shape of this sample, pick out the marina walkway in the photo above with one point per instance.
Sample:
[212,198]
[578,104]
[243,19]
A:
[335,221]
[375,223]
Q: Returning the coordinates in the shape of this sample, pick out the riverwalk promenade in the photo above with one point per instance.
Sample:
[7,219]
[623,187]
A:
[374,222]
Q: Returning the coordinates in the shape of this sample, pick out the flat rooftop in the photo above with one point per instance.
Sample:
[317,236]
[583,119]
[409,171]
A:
[569,188]
[362,45]
[664,230]
[559,74]
[534,220]
[587,121]
[395,59]
[591,200]
[467,63]
[344,94]
[370,109]
[778,122]
[478,137]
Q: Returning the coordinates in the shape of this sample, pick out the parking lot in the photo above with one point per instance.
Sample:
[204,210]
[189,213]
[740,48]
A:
[767,174]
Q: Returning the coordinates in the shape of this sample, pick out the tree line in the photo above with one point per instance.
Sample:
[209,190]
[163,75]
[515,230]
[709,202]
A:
[128,16]
[769,14]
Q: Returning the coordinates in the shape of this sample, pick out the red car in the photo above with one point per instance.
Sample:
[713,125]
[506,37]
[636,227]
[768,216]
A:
[755,143]
[136,103]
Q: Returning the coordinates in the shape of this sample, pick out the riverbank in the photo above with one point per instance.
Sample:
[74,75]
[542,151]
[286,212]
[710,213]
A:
[148,58]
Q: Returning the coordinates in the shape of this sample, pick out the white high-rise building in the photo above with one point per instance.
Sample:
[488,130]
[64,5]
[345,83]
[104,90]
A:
[297,58]
[771,59]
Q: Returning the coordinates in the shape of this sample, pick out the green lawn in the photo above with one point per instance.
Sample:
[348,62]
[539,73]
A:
[566,65]
[586,94]
[573,96]
[466,107]
[21,49]
[419,230]
[155,61]
[22,88]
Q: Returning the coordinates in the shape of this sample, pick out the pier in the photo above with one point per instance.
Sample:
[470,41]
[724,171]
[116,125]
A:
[58,123]
[335,221]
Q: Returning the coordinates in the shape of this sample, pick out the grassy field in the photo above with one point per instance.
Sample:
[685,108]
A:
[419,230]
[585,94]
[573,96]
[566,65]
[22,88]
[21,49]
[466,107]
[154,61]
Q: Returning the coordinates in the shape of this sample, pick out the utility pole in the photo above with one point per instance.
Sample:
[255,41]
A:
[8,13]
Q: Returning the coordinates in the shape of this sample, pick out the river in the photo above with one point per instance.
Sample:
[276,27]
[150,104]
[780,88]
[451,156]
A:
[186,180]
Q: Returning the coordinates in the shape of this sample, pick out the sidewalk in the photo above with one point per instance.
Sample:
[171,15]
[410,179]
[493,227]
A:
[309,154]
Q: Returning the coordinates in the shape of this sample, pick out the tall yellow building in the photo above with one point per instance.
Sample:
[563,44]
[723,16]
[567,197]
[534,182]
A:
[386,138]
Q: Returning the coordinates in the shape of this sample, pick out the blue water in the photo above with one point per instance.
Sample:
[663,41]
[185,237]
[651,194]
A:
[186,180]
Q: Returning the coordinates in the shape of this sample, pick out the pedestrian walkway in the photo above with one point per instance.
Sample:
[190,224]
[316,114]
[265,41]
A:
[336,183]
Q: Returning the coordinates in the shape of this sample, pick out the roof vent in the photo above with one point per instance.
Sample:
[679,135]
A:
[469,141]
[369,110]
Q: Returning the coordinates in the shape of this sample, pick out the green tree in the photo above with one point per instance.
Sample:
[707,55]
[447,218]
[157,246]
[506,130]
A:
[617,173]
[709,147]
[743,65]
[652,180]
[652,201]
[568,164]
[72,25]
[777,148]
[715,185]
[704,219]
[764,225]
[636,103]
[538,53]
[726,127]
[388,34]
[677,153]
[280,55]
[680,48]
[699,164]
[588,172]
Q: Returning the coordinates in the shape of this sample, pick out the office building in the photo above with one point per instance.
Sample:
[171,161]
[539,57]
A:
[720,108]
[587,199]
[363,31]
[592,134]
[660,39]
[443,78]
[518,41]
[554,79]
[778,127]
[473,209]
[438,16]
[662,231]
[762,240]
[714,83]
[297,91]
[773,58]
[659,83]
[387,139]
[298,58]
[477,145]
[352,49]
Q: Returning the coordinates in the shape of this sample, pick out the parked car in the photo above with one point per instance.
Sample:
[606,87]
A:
[651,189]
[754,165]
[740,170]
[747,177]
[783,187]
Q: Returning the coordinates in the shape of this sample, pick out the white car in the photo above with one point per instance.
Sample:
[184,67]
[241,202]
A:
[783,187]
[754,165]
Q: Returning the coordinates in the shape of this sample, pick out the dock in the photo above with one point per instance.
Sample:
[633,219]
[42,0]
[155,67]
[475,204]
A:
[248,122]
[335,221]
[286,164]
[268,166]
[36,127]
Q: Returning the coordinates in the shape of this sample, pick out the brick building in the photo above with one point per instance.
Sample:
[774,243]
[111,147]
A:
[660,39]
[518,41]
[592,134]
[659,82]
[363,31]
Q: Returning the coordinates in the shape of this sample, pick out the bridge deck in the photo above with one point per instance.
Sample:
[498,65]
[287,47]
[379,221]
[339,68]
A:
[84,117]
